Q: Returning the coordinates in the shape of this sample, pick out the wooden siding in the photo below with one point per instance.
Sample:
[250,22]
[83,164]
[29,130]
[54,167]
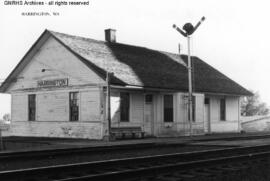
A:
[231,124]
[137,108]
[19,108]
[52,110]
[214,109]
[90,105]
[199,109]
[180,125]
[90,130]
[52,106]
[232,108]
[58,63]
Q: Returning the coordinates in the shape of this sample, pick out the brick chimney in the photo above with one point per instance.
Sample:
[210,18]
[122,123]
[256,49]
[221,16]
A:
[110,35]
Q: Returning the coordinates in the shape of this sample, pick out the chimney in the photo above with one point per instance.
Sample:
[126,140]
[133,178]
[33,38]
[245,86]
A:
[110,35]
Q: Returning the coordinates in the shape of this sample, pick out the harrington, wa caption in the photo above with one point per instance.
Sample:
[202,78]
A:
[43,3]
[49,3]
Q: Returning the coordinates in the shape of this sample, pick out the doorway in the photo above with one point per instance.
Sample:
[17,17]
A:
[168,108]
[149,114]
[207,127]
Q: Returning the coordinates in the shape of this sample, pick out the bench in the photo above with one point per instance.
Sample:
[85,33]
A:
[123,131]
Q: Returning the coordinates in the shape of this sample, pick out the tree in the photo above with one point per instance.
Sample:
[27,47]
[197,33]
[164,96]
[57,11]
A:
[252,105]
[7,117]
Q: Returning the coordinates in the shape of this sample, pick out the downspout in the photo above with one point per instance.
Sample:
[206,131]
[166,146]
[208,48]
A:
[239,124]
[143,111]
[108,75]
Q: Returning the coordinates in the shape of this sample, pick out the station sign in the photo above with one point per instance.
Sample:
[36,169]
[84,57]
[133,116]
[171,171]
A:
[53,83]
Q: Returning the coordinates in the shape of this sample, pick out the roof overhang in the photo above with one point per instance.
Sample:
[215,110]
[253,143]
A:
[159,89]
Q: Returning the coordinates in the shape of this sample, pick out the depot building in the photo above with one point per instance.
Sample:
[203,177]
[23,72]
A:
[58,89]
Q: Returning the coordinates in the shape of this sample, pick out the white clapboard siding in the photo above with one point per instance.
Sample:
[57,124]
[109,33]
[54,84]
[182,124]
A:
[199,107]
[214,109]
[231,124]
[52,106]
[57,129]
[90,105]
[58,63]
[232,108]
[137,106]
[19,107]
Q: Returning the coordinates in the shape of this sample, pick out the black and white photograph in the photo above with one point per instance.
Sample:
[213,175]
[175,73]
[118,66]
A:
[133,90]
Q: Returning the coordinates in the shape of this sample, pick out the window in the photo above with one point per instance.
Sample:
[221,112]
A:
[32,107]
[148,99]
[74,106]
[124,106]
[168,108]
[222,109]
[206,101]
[193,109]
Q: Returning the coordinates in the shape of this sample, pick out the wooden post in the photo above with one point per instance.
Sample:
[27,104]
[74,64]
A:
[108,100]
[190,101]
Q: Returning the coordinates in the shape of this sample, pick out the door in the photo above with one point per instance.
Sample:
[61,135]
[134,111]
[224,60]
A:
[207,115]
[168,108]
[148,114]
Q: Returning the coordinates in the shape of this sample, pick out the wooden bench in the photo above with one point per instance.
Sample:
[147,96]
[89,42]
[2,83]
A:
[123,131]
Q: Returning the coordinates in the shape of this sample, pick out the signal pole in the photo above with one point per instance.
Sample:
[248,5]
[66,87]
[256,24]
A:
[190,101]
[189,30]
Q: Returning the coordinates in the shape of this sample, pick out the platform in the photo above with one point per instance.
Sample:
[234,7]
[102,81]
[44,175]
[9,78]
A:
[42,143]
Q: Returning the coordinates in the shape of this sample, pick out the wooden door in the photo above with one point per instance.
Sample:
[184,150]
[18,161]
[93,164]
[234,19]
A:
[207,115]
[148,114]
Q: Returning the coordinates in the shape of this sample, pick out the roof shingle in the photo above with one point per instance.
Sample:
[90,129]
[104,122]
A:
[139,66]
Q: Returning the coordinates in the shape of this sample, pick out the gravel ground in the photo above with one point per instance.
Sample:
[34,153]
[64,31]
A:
[255,171]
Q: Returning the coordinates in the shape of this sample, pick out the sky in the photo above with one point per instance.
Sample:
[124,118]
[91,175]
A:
[234,38]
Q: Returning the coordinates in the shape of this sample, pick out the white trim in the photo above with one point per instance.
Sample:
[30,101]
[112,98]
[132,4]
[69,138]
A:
[68,88]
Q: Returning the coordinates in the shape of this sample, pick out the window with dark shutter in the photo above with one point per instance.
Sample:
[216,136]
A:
[32,107]
[74,106]
[206,101]
[168,108]
[223,109]
[124,106]
[148,99]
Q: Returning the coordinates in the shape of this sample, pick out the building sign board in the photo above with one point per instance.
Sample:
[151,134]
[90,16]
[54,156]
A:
[53,83]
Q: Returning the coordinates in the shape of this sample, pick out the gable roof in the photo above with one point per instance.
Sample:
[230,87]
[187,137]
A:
[139,66]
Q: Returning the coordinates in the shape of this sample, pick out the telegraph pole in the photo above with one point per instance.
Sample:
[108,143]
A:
[190,101]
[189,30]
[108,100]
